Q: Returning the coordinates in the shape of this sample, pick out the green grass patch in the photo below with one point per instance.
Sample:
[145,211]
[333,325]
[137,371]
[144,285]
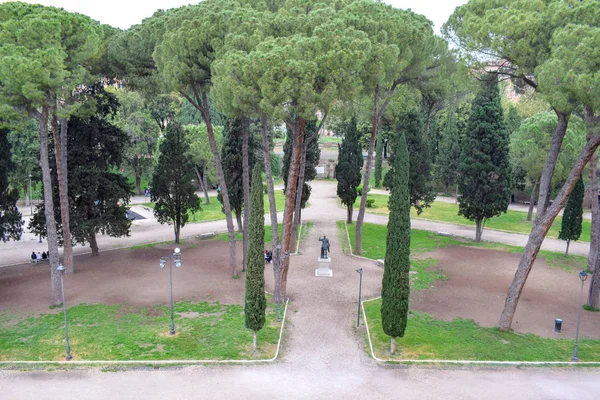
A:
[374,244]
[118,332]
[212,211]
[427,339]
[511,221]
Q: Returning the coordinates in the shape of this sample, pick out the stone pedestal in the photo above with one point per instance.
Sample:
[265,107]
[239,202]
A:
[324,269]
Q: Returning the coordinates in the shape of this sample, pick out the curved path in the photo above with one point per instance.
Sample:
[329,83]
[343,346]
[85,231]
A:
[323,355]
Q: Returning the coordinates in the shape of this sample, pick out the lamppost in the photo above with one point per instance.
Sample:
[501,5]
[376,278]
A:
[61,270]
[360,271]
[163,261]
[583,276]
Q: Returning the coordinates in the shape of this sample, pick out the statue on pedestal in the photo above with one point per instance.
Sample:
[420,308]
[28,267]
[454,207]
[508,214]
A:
[324,246]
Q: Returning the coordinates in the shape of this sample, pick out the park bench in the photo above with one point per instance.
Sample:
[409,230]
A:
[38,260]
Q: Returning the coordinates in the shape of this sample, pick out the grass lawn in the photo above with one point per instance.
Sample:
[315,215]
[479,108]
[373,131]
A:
[459,339]
[374,238]
[511,221]
[212,211]
[118,332]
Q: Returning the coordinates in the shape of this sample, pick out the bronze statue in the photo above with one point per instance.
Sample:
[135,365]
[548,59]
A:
[324,246]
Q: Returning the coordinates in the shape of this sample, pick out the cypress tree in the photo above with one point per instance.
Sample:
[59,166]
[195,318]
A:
[255,304]
[395,286]
[10,217]
[172,186]
[570,228]
[485,173]
[348,168]
[448,161]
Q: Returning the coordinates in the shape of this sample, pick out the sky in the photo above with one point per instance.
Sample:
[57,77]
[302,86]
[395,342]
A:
[124,13]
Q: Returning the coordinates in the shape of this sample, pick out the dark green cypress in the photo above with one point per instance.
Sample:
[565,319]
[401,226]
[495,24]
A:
[10,217]
[485,173]
[347,170]
[570,228]
[395,286]
[255,304]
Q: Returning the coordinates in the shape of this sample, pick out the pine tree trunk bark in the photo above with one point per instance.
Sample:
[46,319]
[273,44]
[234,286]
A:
[205,183]
[367,175]
[138,184]
[52,235]
[548,171]
[428,121]
[290,198]
[238,220]
[94,245]
[204,111]
[298,204]
[541,225]
[254,342]
[60,153]
[593,259]
[567,250]
[199,177]
[349,214]
[532,199]
[272,205]
[246,188]
[393,345]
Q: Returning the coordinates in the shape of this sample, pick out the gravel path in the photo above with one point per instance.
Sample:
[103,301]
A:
[323,356]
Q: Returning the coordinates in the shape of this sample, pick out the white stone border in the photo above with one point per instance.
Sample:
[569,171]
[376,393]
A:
[484,362]
[161,362]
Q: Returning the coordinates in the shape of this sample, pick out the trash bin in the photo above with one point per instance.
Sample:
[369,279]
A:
[557,325]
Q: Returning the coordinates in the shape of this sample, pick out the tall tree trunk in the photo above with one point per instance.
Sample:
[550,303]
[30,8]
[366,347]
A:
[297,128]
[363,199]
[42,118]
[205,182]
[138,184]
[349,214]
[246,188]
[567,250]
[199,177]
[548,171]
[594,289]
[541,225]
[478,229]
[177,226]
[266,147]
[94,245]
[393,345]
[60,153]
[27,193]
[298,204]
[532,199]
[428,121]
[202,106]
[238,220]
[254,341]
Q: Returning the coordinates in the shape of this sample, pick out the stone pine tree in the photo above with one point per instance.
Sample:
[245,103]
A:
[10,217]
[348,168]
[485,171]
[395,286]
[570,228]
[172,186]
[255,303]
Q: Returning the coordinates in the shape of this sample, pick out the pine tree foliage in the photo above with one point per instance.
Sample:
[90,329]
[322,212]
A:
[255,303]
[395,285]
[348,168]
[485,170]
[570,228]
[10,217]
[172,186]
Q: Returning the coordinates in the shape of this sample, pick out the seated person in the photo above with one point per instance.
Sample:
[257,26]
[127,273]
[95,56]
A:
[269,256]
[33,256]
[266,256]
[44,256]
